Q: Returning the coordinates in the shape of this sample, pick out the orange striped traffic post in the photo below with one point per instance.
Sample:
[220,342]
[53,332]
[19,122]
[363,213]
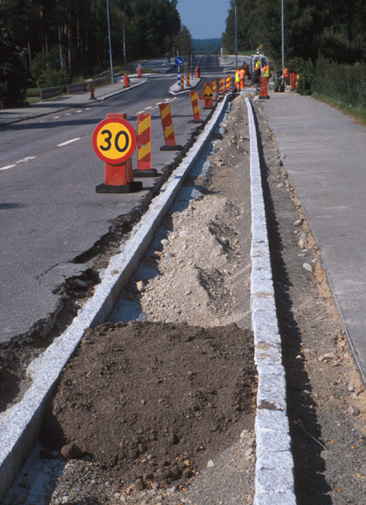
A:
[222,86]
[144,147]
[228,83]
[195,108]
[182,82]
[188,80]
[168,129]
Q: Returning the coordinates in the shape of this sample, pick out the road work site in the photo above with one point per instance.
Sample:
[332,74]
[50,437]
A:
[214,367]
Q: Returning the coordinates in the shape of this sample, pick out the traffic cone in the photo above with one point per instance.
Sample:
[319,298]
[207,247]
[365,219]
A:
[139,72]
[263,94]
[119,178]
[126,82]
[198,72]
[92,94]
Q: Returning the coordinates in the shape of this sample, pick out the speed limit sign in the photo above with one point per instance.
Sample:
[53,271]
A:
[114,140]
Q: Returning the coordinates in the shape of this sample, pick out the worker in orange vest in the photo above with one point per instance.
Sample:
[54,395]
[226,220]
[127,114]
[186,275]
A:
[242,77]
[286,75]
[266,73]
[237,79]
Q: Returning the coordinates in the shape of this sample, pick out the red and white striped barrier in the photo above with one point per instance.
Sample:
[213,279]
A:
[144,147]
[168,129]
[195,107]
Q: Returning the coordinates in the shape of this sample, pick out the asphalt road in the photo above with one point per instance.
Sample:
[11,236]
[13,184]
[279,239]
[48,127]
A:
[50,211]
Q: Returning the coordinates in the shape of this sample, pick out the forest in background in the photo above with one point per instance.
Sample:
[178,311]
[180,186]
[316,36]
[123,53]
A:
[53,41]
[335,29]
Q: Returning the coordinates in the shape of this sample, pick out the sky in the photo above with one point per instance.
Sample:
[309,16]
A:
[205,19]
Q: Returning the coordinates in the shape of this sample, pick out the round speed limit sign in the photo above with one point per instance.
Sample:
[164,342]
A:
[114,140]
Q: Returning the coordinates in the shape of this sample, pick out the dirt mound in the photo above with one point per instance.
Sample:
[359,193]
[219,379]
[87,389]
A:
[151,401]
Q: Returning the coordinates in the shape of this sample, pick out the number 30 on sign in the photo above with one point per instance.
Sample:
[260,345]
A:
[114,140]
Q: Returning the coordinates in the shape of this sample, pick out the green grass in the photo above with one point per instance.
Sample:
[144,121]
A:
[358,111]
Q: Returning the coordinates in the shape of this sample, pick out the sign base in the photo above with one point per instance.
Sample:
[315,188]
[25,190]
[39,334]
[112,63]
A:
[131,187]
[172,148]
[149,172]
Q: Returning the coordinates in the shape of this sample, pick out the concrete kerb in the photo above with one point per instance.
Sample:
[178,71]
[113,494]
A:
[115,93]
[20,428]
[274,479]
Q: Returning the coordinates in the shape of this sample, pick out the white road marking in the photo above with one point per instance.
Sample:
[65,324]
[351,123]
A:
[24,160]
[68,114]
[78,111]
[56,117]
[68,142]
[7,167]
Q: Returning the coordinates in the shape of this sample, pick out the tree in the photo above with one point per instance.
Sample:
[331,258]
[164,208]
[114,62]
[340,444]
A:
[13,76]
[183,42]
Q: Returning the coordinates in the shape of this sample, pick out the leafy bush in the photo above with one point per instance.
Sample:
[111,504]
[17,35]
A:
[46,70]
[304,86]
[345,83]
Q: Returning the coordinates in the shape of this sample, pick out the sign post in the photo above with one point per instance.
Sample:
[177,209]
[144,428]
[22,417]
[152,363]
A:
[114,142]
[179,61]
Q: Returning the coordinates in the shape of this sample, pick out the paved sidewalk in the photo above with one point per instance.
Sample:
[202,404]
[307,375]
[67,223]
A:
[324,154]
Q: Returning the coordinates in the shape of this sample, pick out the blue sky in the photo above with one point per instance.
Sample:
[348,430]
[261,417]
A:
[205,19]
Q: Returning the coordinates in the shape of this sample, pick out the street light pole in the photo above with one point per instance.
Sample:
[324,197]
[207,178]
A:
[110,43]
[283,37]
[236,40]
[124,39]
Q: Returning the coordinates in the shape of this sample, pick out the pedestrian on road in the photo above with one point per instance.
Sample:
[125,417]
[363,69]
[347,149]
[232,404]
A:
[266,73]
[247,72]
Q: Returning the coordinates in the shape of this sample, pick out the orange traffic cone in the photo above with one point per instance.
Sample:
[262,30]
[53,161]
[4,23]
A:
[198,72]
[263,95]
[126,82]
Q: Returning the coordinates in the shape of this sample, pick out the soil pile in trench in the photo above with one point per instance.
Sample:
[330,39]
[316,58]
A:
[150,402]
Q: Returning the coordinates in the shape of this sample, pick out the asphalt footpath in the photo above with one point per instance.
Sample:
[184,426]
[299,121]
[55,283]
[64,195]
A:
[324,153]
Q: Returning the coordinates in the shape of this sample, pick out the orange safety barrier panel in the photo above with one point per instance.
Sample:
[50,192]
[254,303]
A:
[168,129]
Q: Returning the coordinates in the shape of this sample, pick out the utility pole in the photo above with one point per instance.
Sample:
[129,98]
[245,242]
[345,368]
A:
[110,43]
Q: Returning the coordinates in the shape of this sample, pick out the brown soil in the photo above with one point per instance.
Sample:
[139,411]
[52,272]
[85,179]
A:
[154,402]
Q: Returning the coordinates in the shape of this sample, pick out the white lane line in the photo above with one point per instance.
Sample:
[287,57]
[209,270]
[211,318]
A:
[56,117]
[7,167]
[77,111]
[68,114]
[68,142]
[24,160]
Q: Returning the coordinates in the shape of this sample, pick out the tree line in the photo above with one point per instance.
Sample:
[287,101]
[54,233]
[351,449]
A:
[70,37]
[334,29]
